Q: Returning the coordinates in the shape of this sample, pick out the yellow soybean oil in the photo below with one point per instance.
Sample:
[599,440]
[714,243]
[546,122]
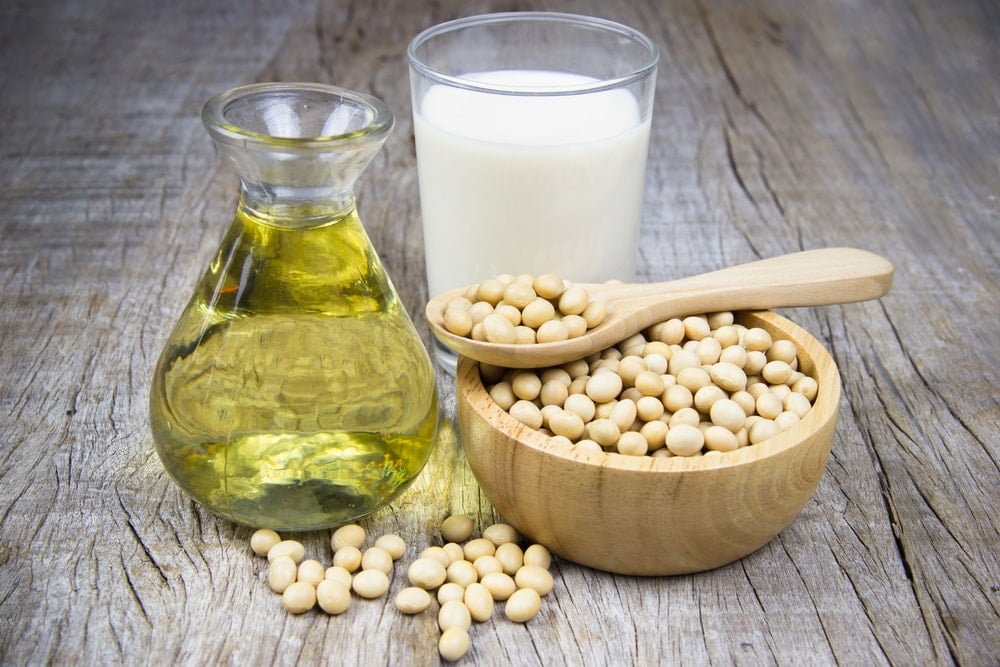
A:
[294,391]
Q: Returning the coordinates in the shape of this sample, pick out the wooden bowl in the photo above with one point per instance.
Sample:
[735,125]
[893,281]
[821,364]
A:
[651,516]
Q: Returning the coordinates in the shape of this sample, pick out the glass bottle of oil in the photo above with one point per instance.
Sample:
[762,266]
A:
[294,391]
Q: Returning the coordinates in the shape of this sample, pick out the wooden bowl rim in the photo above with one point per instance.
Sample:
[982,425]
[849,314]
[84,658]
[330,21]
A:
[470,388]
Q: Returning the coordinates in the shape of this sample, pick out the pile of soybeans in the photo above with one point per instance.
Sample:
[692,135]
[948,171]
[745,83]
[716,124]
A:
[523,309]
[693,386]
[464,579]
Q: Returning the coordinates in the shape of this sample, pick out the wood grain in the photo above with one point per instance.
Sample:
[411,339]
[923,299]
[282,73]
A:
[779,126]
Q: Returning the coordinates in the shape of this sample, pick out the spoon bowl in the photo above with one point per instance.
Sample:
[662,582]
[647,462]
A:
[809,278]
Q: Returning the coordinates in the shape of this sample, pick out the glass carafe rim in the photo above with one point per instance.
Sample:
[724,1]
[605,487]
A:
[214,119]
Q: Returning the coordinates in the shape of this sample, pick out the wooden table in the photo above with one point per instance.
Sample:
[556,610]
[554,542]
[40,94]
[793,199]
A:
[779,126]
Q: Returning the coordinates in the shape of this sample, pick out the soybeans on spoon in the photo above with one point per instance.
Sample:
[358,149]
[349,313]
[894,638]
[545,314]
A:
[810,278]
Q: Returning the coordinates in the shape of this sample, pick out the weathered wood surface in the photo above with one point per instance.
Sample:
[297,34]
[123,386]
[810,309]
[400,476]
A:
[779,126]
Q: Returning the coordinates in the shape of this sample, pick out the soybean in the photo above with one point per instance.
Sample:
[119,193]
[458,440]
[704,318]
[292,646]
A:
[500,585]
[720,439]
[538,555]
[427,573]
[574,300]
[527,413]
[348,557]
[339,574]
[454,614]
[498,329]
[728,414]
[453,644]
[511,557]
[262,541]
[487,564]
[281,573]
[394,545]
[299,598]
[412,600]
[291,548]
[523,605]
[526,385]
[439,554]
[552,331]
[462,572]
[549,286]
[480,546]
[450,591]
[604,387]
[685,440]
[376,558]
[479,601]
[333,597]
[351,535]
[370,584]
[454,552]
[567,424]
[311,571]
[458,321]
[632,443]
[535,577]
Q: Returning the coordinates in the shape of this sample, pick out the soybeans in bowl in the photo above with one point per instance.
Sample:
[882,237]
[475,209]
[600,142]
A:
[654,508]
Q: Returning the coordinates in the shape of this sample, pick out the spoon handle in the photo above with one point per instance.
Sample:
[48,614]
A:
[810,278]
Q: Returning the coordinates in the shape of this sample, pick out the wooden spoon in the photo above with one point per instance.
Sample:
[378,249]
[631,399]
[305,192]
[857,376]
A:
[810,278]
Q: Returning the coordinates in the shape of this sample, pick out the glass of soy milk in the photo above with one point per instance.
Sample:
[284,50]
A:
[532,130]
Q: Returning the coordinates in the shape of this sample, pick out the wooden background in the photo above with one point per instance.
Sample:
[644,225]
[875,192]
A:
[779,125]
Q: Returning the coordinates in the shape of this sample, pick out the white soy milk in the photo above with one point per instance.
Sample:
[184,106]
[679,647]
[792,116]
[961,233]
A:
[521,184]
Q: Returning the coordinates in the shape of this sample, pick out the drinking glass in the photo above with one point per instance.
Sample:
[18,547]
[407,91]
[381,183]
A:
[532,131]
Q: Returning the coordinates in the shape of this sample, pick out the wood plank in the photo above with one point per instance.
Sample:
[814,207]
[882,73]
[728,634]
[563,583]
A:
[779,126]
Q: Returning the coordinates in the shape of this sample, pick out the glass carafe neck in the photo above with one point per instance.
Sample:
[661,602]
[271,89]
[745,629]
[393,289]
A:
[298,148]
